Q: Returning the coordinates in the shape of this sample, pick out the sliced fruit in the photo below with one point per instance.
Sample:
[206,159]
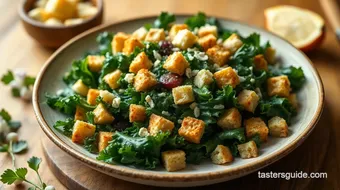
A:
[303,28]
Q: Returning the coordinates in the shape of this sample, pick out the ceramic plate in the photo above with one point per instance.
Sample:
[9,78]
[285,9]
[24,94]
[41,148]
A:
[311,98]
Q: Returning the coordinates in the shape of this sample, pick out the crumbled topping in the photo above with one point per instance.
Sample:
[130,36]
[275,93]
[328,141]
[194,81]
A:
[197,112]
[149,100]
[143,132]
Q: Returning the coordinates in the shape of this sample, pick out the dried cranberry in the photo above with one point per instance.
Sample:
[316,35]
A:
[171,80]
[166,48]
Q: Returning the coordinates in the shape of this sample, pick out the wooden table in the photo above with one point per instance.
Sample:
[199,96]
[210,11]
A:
[318,153]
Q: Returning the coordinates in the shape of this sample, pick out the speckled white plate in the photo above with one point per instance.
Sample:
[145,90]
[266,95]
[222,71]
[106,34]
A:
[311,98]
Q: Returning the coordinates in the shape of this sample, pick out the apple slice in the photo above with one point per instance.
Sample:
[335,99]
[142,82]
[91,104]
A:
[301,27]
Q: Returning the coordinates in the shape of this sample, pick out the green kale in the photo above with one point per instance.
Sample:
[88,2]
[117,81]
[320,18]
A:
[8,77]
[196,21]
[67,103]
[143,152]
[91,143]
[295,75]
[104,40]
[13,125]
[276,106]
[164,20]
[66,126]
[78,71]
[256,138]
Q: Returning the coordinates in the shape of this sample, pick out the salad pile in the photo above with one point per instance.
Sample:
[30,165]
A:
[172,94]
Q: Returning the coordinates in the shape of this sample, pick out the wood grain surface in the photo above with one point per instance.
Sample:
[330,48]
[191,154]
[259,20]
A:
[318,153]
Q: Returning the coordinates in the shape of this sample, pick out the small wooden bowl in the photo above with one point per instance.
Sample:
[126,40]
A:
[55,36]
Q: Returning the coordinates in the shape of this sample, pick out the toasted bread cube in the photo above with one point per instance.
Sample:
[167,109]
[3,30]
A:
[218,55]
[248,150]
[141,61]
[184,39]
[81,130]
[80,88]
[233,43]
[130,44]
[53,22]
[260,63]
[226,77]
[73,21]
[144,80]
[192,129]
[140,33]
[278,127]
[95,62]
[102,115]
[106,96]
[155,35]
[61,9]
[256,125]
[173,160]
[183,94]
[221,155]
[207,41]
[137,113]
[203,77]
[40,3]
[176,63]
[207,30]
[112,78]
[269,54]
[231,119]
[248,99]
[86,10]
[92,96]
[103,140]
[293,100]
[80,114]
[118,42]
[159,124]
[175,29]
[279,86]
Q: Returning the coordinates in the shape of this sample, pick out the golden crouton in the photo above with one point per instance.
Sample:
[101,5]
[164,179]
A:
[203,77]
[269,54]
[183,94]
[130,44]
[260,63]
[173,160]
[81,130]
[61,9]
[256,125]
[278,127]
[226,77]
[144,80]
[106,96]
[279,86]
[140,33]
[207,41]
[80,88]
[293,100]
[221,155]
[112,78]
[207,30]
[159,124]
[118,42]
[102,115]
[176,63]
[233,43]
[248,99]
[218,55]
[95,62]
[155,35]
[192,129]
[137,113]
[231,119]
[92,96]
[141,61]
[80,114]
[184,39]
[103,140]
[175,29]
[248,150]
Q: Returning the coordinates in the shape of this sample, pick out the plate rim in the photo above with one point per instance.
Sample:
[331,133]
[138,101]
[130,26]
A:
[127,172]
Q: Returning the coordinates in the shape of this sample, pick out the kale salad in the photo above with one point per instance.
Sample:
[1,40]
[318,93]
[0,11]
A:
[175,94]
